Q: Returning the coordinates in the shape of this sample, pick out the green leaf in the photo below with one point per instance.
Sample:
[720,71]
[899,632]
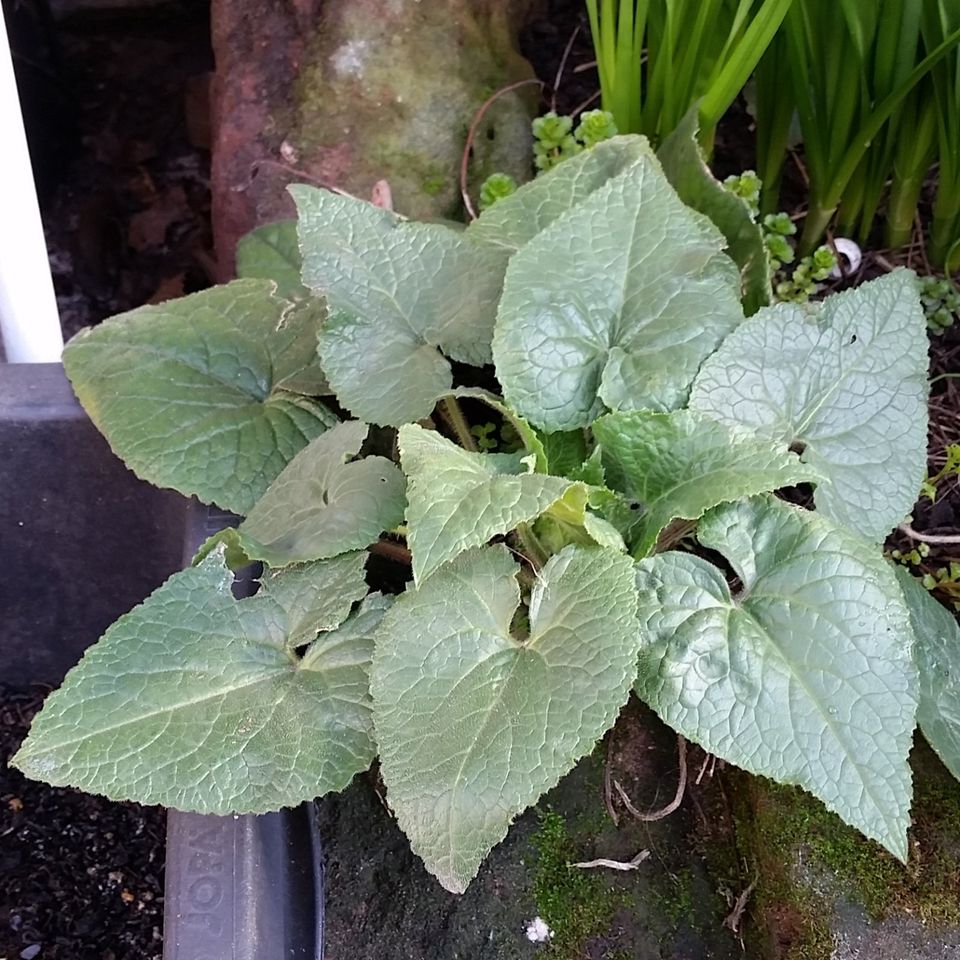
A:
[848,384]
[199,701]
[805,675]
[616,303]
[679,465]
[686,169]
[459,499]
[199,393]
[325,503]
[401,295]
[272,252]
[474,724]
[565,452]
[937,654]
[570,521]
[515,220]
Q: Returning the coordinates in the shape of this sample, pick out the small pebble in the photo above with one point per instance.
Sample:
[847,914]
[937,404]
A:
[28,953]
[538,931]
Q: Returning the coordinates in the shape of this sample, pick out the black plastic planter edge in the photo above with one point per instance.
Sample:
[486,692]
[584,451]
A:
[243,887]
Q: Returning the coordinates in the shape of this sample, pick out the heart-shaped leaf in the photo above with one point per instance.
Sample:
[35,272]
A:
[474,722]
[847,385]
[679,465]
[401,295]
[616,304]
[459,499]
[199,701]
[325,503]
[805,675]
[202,394]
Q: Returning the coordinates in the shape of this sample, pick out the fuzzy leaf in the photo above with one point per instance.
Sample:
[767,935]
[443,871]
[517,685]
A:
[199,701]
[272,252]
[616,303]
[459,499]
[679,465]
[565,452]
[686,169]
[475,724]
[514,221]
[805,676]
[325,503]
[848,384]
[937,653]
[200,394]
[401,295]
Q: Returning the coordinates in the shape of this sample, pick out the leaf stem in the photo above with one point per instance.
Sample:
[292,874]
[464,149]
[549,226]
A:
[531,546]
[392,551]
[454,418]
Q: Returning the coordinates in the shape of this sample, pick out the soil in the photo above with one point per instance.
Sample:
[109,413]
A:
[80,878]
[119,116]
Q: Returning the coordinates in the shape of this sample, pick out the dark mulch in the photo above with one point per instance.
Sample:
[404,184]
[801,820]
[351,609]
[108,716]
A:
[81,878]
[117,117]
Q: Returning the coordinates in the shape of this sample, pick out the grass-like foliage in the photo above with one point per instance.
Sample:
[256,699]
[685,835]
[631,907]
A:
[850,71]
[551,573]
[656,58]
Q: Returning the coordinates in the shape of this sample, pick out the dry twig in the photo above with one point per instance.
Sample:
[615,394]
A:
[613,864]
[941,538]
[736,914]
[608,784]
[663,812]
[560,69]
[472,134]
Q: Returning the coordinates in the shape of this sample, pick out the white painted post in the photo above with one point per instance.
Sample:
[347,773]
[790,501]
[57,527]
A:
[29,321]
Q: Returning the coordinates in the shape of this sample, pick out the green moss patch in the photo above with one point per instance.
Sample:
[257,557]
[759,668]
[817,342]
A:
[785,828]
[576,904]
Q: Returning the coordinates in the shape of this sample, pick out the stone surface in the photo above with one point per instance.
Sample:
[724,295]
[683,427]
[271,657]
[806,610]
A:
[83,539]
[345,93]
[382,905]
[825,893]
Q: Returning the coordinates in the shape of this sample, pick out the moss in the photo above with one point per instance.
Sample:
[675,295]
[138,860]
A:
[433,185]
[576,904]
[785,827]
[793,918]
[678,902]
[675,900]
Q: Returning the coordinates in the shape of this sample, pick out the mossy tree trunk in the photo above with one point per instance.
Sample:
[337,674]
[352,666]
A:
[350,92]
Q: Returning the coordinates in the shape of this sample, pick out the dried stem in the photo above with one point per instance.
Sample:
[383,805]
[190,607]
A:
[562,67]
[663,812]
[631,864]
[608,782]
[943,538]
[472,134]
[736,914]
